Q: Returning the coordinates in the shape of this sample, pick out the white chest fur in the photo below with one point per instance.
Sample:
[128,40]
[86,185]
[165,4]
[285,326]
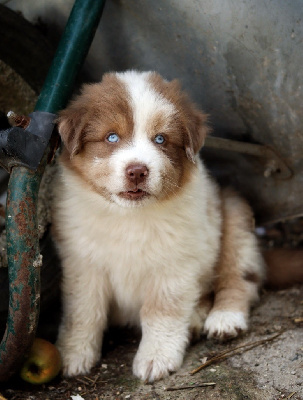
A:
[173,243]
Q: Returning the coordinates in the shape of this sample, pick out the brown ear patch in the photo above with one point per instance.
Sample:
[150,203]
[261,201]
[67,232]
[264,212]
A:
[193,120]
[71,125]
[98,105]
[196,132]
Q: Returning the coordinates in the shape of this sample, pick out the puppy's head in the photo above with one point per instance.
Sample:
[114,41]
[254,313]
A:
[133,137]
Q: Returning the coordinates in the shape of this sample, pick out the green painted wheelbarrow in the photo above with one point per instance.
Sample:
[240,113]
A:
[26,149]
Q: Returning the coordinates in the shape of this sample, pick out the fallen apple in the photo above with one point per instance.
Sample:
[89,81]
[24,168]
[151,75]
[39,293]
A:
[42,363]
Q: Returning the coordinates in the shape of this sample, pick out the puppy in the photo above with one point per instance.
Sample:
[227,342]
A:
[145,236]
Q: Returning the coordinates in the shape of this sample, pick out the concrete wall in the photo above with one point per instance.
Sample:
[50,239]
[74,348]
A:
[240,60]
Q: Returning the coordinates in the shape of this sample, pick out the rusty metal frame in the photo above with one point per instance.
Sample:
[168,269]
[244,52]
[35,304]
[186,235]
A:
[24,259]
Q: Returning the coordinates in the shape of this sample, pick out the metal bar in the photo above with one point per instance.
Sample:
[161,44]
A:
[24,258]
[71,52]
[23,270]
[234,145]
[274,165]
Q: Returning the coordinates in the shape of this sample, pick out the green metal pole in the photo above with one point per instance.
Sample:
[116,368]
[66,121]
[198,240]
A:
[24,260]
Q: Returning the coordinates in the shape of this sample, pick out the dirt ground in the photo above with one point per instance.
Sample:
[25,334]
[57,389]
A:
[271,370]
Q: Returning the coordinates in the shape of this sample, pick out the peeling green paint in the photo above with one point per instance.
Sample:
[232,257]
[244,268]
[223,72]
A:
[23,253]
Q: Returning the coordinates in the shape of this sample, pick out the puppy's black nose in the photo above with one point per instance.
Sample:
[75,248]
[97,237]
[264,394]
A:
[136,173]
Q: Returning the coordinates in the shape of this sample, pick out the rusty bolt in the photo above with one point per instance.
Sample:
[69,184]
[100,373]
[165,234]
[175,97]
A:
[21,121]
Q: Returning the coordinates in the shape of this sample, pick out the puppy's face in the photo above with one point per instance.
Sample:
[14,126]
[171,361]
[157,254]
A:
[133,137]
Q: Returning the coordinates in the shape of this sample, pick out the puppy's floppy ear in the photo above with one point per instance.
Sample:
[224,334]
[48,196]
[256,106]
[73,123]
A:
[73,121]
[71,126]
[195,133]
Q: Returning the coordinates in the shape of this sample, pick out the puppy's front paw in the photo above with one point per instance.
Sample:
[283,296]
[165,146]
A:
[153,365]
[224,325]
[77,361]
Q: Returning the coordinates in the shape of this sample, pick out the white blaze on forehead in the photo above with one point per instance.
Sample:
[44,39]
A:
[145,103]
[145,100]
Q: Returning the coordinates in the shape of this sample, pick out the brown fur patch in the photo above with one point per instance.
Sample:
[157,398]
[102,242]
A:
[171,128]
[186,130]
[232,289]
[101,108]
[193,122]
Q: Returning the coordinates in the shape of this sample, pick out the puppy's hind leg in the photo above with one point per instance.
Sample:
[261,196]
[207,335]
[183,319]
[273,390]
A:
[239,272]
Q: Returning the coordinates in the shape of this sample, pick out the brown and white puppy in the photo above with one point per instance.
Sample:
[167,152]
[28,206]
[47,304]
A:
[144,233]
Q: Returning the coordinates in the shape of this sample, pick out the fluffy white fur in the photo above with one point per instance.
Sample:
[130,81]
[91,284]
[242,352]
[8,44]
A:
[125,255]
[147,264]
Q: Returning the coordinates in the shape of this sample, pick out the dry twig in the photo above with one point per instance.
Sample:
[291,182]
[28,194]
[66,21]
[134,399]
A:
[291,394]
[198,385]
[235,350]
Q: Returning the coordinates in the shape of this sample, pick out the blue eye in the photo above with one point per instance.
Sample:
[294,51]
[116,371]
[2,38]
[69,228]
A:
[113,138]
[159,139]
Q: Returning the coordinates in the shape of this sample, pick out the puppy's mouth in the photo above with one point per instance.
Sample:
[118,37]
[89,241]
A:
[136,194]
